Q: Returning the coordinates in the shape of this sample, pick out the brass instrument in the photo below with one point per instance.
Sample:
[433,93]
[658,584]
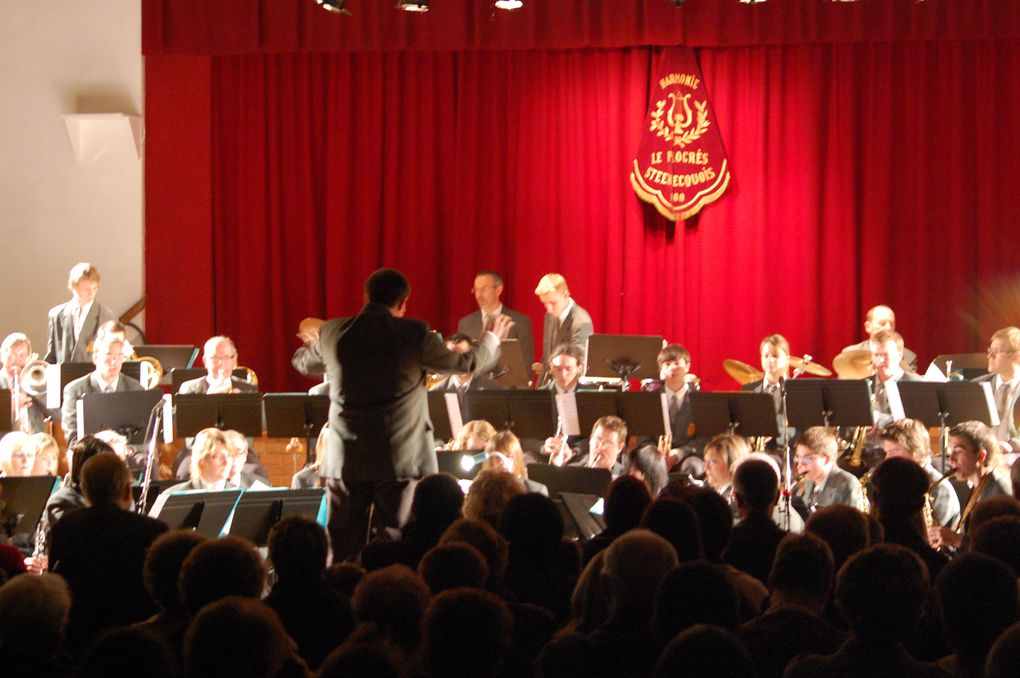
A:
[29,382]
[860,435]
[150,370]
[928,509]
[250,375]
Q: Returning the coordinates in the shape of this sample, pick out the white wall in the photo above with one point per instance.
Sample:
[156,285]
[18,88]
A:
[55,59]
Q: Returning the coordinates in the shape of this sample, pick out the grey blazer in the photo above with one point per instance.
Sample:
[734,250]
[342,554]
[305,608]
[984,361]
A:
[60,345]
[471,325]
[575,329]
[840,488]
[76,390]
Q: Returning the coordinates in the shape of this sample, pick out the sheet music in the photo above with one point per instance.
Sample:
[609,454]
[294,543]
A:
[665,412]
[168,419]
[79,407]
[566,406]
[986,387]
[157,506]
[892,396]
[453,410]
[934,374]
[53,388]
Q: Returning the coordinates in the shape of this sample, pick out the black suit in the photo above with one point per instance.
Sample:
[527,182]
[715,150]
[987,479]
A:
[77,389]
[99,551]
[61,346]
[575,329]
[471,325]
[380,435]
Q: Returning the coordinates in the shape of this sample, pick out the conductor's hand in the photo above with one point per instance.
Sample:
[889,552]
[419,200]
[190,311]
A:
[501,326]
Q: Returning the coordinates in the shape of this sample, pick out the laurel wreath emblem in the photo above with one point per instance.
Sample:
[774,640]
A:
[676,127]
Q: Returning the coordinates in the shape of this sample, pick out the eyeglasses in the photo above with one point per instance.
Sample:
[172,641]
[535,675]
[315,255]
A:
[222,358]
[993,352]
[805,460]
[481,288]
[113,358]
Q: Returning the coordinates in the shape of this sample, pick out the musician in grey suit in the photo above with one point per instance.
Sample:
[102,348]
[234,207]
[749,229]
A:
[380,437]
[1004,377]
[565,321]
[824,483]
[881,318]
[487,289]
[908,438]
[108,355]
[73,325]
[27,413]
[220,359]
[886,357]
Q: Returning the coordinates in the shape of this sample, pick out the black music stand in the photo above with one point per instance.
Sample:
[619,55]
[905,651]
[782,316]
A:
[156,488]
[179,375]
[292,415]
[6,423]
[444,421]
[23,501]
[257,512]
[578,508]
[741,412]
[969,365]
[170,356]
[510,370]
[829,402]
[575,479]
[241,412]
[60,375]
[204,512]
[126,412]
[946,404]
[529,414]
[642,411]
[622,356]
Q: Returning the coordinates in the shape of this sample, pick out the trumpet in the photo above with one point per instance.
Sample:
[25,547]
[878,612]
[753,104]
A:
[150,371]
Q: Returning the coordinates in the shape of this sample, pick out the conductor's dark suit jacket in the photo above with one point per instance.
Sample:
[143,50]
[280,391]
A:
[379,426]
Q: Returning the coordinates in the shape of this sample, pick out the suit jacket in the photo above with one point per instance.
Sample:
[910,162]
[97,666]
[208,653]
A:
[758,386]
[1008,429]
[840,488]
[76,390]
[201,385]
[471,325]
[883,410]
[60,345]
[99,551]
[575,329]
[379,427]
[752,547]
[680,423]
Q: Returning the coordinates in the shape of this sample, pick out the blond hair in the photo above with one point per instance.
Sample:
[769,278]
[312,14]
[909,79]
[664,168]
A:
[206,442]
[552,282]
[81,271]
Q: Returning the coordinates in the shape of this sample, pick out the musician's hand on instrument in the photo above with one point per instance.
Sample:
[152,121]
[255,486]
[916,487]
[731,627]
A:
[501,326]
[663,448]
[37,564]
[552,445]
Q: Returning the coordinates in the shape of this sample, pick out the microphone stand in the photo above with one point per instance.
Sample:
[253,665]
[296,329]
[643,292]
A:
[152,434]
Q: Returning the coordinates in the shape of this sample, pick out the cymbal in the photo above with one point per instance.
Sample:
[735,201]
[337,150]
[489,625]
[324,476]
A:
[812,367]
[853,364]
[741,371]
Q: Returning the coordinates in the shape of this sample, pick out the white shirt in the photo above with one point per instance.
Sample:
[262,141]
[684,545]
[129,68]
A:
[566,311]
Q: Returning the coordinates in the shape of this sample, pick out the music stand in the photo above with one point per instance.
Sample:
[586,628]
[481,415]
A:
[642,411]
[292,415]
[170,356]
[970,365]
[126,412]
[156,488]
[510,370]
[241,412]
[742,412]
[579,509]
[204,512]
[23,501]
[529,414]
[829,402]
[179,375]
[60,375]
[622,355]
[946,404]
[257,512]
[6,423]
[575,479]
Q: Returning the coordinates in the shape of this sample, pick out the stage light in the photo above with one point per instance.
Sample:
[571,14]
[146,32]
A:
[335,6]
[469,461]
[413,5]
[509,4]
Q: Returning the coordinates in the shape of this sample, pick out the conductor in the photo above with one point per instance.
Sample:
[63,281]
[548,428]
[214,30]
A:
[380,437]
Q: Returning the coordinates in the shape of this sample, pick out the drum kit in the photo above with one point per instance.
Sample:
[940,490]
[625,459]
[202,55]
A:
[745,374]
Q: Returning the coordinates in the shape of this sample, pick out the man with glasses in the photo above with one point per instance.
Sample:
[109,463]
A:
[606,444]
[822,482]
[488,287]
[887,359]
[220,359]
[108,356]
[880,318]
[1004,376]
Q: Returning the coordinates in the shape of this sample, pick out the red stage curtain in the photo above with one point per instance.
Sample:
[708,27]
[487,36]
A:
[247,26]
[862,174]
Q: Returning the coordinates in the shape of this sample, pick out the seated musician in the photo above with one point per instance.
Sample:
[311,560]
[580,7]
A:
[74,324]
[505,454]
[775,363]
[47,454]
[721,453]
[211,464]
[245,467]
[467,381]
[108,356]
[605,447]
[908,438]
[822,482]
[27,413]
[17,455]
[886,357]
[220,359]
[878,319]
[674,365]
[974,453]
[565,322]
[1004,377]
[566,363]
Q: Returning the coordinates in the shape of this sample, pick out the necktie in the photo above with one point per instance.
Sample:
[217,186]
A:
[487,323]
[1002,405]
[674,407]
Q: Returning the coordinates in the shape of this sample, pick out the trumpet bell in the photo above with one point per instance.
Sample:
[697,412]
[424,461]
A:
[151,372]
[249,375]
[33,378]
